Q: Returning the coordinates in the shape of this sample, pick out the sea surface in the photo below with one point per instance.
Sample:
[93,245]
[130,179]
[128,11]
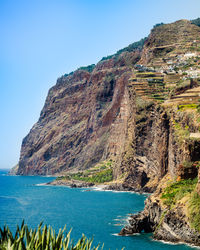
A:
[98,214]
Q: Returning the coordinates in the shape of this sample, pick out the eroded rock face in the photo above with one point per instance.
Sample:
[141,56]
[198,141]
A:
[75,124]
[175,228]
[83,116]
[150,161]
[168,225]
[145,221]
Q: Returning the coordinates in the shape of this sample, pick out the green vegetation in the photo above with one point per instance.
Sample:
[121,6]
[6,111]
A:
[180,189]
[177,190]
[187,106]
[100,177]
[181,132]
[132,47]
[106,57]
[162,217]
[158,97]
[156,86]
[198,108]
[145,74]
[194,211]
[181,85]
[41,238]
[88,68]
[99,174]
[196,22]
[142,104]
[187,164]
[156,80]
[157,25]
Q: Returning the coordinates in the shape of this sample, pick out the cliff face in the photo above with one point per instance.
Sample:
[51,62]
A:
[87,110]
[168,135]
[166,224]
[82,117]
[171,211]
[140,109]
[147,163]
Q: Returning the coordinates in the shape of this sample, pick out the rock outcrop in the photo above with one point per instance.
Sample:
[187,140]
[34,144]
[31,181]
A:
[168,225]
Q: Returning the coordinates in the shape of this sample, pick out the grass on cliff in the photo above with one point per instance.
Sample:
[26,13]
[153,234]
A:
[181,132]
[187,106]
[142,104]
[100,177]
[99,174]
[131,47]
[194,211]
[177,190]
[42,239]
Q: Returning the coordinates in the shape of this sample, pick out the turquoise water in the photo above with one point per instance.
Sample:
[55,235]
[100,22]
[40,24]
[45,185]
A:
[97,214]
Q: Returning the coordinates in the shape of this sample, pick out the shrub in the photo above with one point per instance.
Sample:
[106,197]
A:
[187,106]
[157,25]
[132,47]
[99,177]
[88,68]
[177,190]
[196,22]
[42,239]
[100,173]
[181,133]
[106,58]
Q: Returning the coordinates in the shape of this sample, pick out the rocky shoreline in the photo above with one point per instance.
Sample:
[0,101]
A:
[105,186]
[168,224]
[70,183]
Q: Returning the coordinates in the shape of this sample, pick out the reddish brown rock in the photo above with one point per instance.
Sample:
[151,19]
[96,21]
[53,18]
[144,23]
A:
[78,125]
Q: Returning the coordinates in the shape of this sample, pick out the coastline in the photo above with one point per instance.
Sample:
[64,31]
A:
[105,187]
[94,186]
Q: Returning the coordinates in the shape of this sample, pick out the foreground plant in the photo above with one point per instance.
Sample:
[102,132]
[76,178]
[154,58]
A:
[41,239]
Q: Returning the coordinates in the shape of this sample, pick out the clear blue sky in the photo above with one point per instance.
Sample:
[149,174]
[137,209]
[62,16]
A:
[41,40]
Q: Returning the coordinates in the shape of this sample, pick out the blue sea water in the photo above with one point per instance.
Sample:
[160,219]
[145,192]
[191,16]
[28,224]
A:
[97,214]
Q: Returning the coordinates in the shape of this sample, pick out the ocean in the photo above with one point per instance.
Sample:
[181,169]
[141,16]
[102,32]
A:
[97,214]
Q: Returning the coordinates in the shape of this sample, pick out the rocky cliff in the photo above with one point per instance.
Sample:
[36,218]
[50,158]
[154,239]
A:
[138,112]
[82,117]
[169,135]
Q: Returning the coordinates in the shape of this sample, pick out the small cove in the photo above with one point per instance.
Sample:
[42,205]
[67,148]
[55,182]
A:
[97,214]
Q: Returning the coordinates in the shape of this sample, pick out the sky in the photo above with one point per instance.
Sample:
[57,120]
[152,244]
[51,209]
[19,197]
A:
[40,40]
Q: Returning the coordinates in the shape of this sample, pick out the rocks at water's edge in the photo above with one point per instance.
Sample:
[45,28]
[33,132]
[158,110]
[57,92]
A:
[70,183]
[168,225]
